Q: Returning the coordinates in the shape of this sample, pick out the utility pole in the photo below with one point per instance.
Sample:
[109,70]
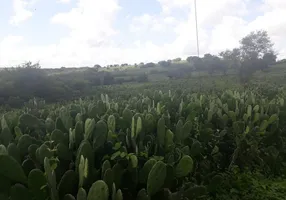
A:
[197,32]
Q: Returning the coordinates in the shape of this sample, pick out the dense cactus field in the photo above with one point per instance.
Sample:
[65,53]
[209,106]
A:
[151,145]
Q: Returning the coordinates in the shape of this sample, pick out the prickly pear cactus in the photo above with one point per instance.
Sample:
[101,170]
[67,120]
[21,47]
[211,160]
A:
[78,133]
[161,131]
[11,169]
[179,132]
[100,135]
[68,183]
[146,169]
[89,127]
[50,125]
[69,197]
[142,195]
[105,166]
[14,151]
[86,151]
[6,136]
[19,192]
[23,144]
[81,194]
[98,190]
[169,140]
[156,178]
[42,152]
[63,152]
[37,184]
[57,136]
[3,150]
[30,122]
[111,123]
[184,167]
[196,148]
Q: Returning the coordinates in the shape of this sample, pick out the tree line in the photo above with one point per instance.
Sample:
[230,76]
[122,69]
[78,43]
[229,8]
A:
[21,83]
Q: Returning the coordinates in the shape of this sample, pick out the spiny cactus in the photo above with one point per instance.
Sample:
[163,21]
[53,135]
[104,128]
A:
[63,152]
[89,127]
[50,125]
[3,150]
[78,133]
[18,192]
[85,150]
[100,135]
[81,194]
[11,169]
[185,166]
[68,183]
[111,123]
[161,131]
[42,152]
[37,184]
[98,191]
[23,144]
[57,136]
[83,170]
[156,178]
[196,148]
[108,178]
[69,197]
[6,136]
[179,132]
[105,166]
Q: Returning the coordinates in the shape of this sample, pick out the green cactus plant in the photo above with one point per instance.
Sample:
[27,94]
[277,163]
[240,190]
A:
[42,152]
[6,136]
[37,184]
[142,195]
[19,192]
[63,152]
[156,178]
[28,165]
[83,170]
[23,144]
[11,169]
[50,125]
[111,123]
[161,131]
[105,166]
[184,167]
[81,194]
[3,150]
[108,178]
[89,127]
[57,136]
[78,133]
[98,190]
[100,135]
[69,197]
[68,183]
[14,151]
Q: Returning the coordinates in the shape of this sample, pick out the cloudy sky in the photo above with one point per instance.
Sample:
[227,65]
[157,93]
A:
[74,33]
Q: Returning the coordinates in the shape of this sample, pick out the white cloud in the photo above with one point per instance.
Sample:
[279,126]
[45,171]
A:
[222,24]
[64,1]
[21,13]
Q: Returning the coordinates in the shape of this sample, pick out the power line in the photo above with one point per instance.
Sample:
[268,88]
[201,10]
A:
[197,32]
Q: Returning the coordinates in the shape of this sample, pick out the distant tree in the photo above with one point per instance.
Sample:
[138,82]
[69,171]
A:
[164,63]
[149,65]
[97,66]
[142,78]
[255,45]
[196,62]
[177,60]
[213,63]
